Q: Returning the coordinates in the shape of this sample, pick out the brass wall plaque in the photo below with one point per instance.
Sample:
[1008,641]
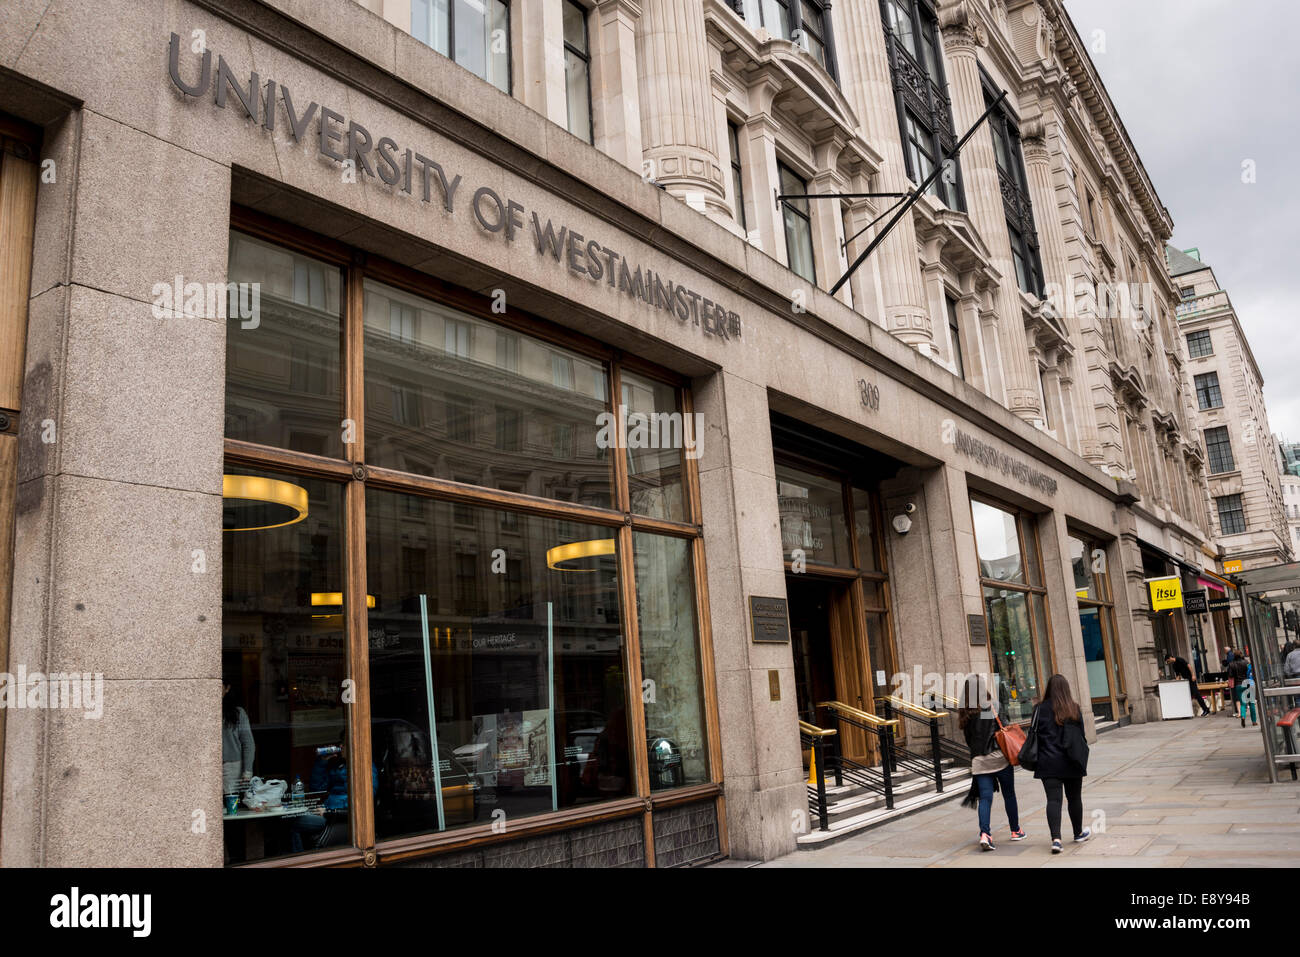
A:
[769,620]
[774,685]
[979,634]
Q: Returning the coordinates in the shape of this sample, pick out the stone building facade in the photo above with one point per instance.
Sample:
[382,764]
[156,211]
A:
[390,524]
[1244,465]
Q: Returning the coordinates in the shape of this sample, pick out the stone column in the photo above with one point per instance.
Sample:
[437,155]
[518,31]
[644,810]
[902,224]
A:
[135,404]
[760,179]
[677,132]
[979,170]
[539,71]
[1056,269]
[868,86]
[827,223]
[761,755]
[615,96]
[868,298]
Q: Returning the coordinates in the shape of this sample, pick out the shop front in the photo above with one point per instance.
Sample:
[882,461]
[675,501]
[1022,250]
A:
[485,504]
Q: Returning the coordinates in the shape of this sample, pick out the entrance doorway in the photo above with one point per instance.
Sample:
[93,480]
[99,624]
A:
[828,662]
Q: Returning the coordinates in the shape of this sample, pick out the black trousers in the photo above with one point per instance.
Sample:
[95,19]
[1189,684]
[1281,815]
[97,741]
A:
[1073,788]
[1196,694]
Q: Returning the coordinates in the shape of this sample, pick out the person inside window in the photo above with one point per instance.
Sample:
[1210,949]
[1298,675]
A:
[237,746]
[329,776]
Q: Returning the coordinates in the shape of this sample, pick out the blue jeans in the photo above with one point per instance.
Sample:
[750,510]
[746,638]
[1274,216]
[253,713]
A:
[1007,783]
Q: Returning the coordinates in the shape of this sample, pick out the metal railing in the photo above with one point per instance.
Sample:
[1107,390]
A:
[932,721]
[814,738]
[884,731]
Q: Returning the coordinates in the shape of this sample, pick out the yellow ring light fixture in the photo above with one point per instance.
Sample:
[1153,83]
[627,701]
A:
[253,503]
[574,551]
[334,599]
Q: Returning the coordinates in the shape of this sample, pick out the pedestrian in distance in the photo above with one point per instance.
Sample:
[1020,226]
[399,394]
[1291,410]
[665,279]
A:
[1243,675]
[990,770]
[1291,663]
[1180,668]
[1062,758]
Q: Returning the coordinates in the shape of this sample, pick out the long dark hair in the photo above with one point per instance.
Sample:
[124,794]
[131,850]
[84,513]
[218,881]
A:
[1064,706]
[973,701]
[231,703]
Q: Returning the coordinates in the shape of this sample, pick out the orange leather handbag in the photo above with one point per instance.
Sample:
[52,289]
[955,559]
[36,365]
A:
[1010,740]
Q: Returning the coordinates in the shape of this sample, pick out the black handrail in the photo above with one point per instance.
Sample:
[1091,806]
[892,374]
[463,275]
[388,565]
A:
[816,741]
[940,748]
[863,775]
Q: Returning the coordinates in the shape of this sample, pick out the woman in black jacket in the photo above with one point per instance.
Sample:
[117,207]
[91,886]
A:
[990,770]
[1062,757]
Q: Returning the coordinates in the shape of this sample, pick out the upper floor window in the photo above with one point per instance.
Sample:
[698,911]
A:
[1232,515]
[737,185]
[1218,449]
[1015,196]
[474,33]
[954,330]
[577,70]
[1208,395]
[924,110]
[798,225]
[1199,344]
[805,22]
[1186,292]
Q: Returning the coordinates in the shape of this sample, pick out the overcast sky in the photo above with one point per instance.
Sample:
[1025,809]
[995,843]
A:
[1202,86]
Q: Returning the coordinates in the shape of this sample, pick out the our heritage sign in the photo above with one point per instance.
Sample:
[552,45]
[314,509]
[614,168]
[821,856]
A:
[348,142]
[769,619]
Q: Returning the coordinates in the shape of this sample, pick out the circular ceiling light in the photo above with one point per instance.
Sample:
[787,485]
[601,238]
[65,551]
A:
[253,502]
[572,552]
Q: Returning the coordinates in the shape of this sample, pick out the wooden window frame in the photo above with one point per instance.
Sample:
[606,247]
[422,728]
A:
[355,476]
[1023,519]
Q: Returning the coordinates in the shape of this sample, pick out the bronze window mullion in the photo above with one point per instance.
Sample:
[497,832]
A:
[618,454]
[360,784]
[690,466]
[632,642]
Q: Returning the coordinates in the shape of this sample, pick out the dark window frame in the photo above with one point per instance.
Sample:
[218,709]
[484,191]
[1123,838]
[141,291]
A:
[803,211]
[1235,510]
[737,174]
[1016,202]
[1218,450]
[1200,336]
[1208,394]
[929,106]
[451,41]
[585,57]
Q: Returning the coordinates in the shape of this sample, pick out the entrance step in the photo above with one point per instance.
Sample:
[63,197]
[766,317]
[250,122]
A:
[856,812]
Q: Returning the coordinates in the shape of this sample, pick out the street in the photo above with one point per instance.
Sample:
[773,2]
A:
[1188,793]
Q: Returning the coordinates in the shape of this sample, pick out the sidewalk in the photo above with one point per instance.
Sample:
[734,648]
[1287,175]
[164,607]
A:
[1166,794]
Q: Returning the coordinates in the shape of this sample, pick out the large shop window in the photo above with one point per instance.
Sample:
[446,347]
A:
[924,108]
[474,33]
[1015,605]
[1097,622]
[460,567]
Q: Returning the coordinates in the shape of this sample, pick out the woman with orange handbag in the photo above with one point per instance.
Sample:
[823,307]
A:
[1062,759]
[990,770]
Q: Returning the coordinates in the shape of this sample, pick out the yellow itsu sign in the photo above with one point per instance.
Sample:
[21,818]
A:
[1166,593]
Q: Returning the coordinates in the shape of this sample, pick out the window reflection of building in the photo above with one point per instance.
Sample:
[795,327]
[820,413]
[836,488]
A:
[1015,605]
[497,676]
